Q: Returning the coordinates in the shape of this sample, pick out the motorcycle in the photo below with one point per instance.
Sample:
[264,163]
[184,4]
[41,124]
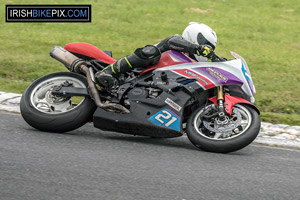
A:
[210,102]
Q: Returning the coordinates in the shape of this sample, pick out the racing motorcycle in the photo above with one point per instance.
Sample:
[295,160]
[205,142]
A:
[212,102]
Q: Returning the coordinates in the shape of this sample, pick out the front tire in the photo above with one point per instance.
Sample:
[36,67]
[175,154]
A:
[50,113]
[208,136]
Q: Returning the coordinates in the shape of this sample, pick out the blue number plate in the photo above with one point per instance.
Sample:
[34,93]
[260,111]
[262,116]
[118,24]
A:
[167,119]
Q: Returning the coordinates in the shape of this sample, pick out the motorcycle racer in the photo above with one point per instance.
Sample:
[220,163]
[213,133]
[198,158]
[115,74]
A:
[197,40]
[212,102]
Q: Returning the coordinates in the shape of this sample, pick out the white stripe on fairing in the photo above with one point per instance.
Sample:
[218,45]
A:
[178,66]
[219,65]
[174,59]
[190,78]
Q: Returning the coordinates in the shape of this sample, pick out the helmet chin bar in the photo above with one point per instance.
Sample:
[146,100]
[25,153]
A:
[202,40]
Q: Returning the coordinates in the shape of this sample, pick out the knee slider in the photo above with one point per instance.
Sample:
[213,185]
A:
[150,51]
[149,54]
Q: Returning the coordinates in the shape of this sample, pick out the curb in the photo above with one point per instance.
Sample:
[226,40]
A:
[10,102]
[277,135]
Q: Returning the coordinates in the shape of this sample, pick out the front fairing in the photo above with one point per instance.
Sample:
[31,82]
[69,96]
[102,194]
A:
[246,71]
[233,73]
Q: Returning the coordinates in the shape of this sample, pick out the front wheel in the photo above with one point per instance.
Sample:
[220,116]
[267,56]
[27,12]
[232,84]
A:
[47,112]
[207,132]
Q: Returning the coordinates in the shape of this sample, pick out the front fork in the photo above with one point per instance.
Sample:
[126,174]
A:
[220,101]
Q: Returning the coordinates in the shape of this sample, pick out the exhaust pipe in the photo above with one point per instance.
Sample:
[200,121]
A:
[75,64]
[63,56]
[94,92]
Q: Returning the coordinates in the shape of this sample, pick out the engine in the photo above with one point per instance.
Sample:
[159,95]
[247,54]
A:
[141,93]
[137,93]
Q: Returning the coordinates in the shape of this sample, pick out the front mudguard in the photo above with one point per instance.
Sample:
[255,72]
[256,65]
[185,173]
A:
[230,101]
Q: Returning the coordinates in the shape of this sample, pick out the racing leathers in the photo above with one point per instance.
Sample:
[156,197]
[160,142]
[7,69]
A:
[149,55]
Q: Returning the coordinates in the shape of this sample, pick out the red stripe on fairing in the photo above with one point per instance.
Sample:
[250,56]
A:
[166,60]
[187,77]
[206,83]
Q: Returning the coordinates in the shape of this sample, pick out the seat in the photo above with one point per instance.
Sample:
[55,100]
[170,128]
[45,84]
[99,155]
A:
[89,51]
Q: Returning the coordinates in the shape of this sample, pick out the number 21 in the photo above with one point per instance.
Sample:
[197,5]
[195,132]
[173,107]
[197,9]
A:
[167,116]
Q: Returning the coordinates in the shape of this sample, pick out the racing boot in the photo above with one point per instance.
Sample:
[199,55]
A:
[106,79]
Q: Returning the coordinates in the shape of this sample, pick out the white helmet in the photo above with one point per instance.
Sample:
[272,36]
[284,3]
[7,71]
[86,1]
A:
[201,34]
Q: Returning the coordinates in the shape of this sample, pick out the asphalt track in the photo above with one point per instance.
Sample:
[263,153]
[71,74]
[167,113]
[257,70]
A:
[90,164]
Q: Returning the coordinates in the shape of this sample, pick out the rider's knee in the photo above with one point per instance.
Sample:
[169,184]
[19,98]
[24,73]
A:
[143,57]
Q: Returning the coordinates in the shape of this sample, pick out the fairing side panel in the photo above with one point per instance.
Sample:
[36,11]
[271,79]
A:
[169,58]
[158,117]
[213,74]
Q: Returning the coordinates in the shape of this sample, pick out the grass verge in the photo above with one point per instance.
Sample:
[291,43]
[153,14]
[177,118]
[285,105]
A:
[266,33]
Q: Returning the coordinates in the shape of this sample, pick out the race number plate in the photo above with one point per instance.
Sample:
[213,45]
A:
[166,118]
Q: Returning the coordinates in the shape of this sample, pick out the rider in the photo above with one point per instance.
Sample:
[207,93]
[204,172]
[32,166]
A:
[198,41]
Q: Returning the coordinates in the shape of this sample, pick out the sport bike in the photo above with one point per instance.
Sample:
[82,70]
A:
[210,102]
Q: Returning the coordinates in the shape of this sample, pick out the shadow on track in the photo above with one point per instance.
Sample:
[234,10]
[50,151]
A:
[89,132]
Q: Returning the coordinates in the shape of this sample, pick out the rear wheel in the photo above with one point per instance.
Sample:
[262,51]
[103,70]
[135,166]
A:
[207,132]
[47,112]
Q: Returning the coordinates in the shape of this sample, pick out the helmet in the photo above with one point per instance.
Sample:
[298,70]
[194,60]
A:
[201,34]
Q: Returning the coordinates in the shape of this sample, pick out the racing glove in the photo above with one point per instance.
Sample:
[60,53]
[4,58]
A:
[205,50]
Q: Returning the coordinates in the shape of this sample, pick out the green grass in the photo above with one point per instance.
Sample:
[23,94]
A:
[265,32]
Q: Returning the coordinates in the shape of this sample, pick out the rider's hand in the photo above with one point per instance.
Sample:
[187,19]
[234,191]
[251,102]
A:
[205,50]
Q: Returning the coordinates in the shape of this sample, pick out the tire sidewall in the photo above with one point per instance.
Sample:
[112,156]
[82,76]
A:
[61,122]
[224,146]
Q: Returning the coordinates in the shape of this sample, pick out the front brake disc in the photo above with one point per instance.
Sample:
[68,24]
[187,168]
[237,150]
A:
[230,126]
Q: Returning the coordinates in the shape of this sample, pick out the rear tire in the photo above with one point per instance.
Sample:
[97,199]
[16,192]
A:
[46,116]
[205,140]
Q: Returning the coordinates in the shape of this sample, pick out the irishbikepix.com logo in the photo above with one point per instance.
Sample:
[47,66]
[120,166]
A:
[48,13]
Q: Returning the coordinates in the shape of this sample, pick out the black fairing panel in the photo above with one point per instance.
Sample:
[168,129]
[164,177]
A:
[143,110]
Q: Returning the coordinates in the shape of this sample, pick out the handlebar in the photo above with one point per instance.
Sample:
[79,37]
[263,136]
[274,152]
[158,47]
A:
[216,58]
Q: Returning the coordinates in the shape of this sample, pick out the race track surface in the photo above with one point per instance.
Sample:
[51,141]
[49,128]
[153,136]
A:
[91,164]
